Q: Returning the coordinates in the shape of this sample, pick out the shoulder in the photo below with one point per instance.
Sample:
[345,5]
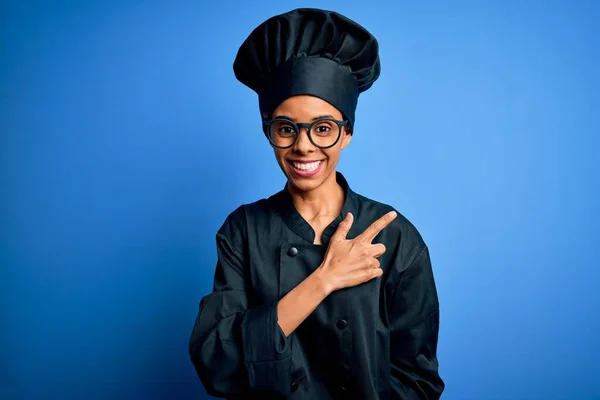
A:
[236,223]
[376,209]
[405,247]
[401,232]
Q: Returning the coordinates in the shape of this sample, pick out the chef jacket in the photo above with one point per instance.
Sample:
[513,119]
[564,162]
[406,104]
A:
[376,340]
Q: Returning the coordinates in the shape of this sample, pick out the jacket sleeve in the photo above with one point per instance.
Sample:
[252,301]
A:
[414,325]
[236,349]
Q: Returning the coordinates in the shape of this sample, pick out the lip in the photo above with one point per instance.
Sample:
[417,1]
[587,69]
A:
[304,161]
[304,174]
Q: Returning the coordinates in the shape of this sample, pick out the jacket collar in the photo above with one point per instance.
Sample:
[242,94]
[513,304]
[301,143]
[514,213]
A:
[298,224]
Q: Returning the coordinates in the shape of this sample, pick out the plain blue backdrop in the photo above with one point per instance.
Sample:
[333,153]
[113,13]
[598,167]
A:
[125,141]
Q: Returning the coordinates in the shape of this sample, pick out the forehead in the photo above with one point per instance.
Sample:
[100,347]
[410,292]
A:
[305,107]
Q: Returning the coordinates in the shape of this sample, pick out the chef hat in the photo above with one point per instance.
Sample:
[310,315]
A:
[308,52]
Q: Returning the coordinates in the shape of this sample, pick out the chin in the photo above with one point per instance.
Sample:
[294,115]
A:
[303,186]
[306,184]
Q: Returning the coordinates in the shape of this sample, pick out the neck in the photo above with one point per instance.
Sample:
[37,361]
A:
[325,200]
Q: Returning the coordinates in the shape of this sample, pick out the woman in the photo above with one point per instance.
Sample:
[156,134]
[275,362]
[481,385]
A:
[319,292]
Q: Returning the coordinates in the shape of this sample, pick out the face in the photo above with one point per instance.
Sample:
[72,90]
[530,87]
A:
[306,166]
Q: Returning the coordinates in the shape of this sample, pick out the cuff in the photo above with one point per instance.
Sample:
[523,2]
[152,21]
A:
[267,351]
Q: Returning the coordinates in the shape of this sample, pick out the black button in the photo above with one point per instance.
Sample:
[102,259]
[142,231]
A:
[343,388]
[294,386]
[341,324]
[346,368]
[292,252]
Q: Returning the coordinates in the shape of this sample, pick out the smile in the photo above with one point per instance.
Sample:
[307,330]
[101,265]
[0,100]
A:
[305,168]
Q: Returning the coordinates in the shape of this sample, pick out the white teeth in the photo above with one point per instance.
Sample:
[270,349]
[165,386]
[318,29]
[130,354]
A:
[307,167]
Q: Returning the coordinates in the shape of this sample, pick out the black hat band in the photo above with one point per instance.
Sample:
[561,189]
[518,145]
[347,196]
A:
[315,76]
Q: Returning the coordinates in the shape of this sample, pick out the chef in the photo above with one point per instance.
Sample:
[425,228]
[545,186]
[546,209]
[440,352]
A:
[319,292]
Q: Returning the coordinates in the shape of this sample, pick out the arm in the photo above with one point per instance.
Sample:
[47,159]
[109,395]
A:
[300,302]
[414,325]
[236,349]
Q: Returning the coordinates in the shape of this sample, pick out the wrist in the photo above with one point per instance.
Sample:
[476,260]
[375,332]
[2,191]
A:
[322,284]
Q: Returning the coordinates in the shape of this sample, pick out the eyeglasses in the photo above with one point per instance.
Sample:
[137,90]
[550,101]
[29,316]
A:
[323,132]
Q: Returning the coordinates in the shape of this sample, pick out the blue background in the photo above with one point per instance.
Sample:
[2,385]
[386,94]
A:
[125,140]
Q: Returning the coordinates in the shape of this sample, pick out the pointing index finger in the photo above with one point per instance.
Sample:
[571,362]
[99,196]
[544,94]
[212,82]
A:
[377,226]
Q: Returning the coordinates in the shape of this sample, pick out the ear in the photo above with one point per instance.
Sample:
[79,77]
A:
[347,137]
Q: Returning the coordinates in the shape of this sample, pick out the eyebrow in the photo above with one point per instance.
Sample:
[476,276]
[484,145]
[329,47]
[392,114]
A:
[314,119]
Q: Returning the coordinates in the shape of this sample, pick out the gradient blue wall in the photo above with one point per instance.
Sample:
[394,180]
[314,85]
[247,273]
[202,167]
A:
[125,140]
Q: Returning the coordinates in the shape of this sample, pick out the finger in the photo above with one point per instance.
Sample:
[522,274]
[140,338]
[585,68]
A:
[377,272]
[369,234]
[371,273]
[344,227]
[377,249]
[361,276]
[374,263]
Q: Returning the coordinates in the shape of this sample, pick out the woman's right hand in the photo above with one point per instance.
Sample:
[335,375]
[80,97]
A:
[349,263]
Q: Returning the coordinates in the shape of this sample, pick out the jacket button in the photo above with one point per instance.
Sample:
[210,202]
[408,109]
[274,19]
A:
[341,324]
[294,386]
[292,252]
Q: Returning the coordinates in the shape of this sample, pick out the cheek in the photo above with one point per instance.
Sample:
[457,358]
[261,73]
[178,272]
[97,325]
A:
[333,154]
[280,155]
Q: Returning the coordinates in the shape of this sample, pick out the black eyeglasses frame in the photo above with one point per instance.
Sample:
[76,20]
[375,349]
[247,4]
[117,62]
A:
[297,125]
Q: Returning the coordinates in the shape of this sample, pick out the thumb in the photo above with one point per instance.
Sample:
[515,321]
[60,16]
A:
[344,227]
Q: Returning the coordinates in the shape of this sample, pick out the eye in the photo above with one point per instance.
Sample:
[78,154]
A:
[282,128]
[323,129]
[286,130]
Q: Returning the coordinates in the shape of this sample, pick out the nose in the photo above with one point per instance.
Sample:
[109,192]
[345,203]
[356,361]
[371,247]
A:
[303,144]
